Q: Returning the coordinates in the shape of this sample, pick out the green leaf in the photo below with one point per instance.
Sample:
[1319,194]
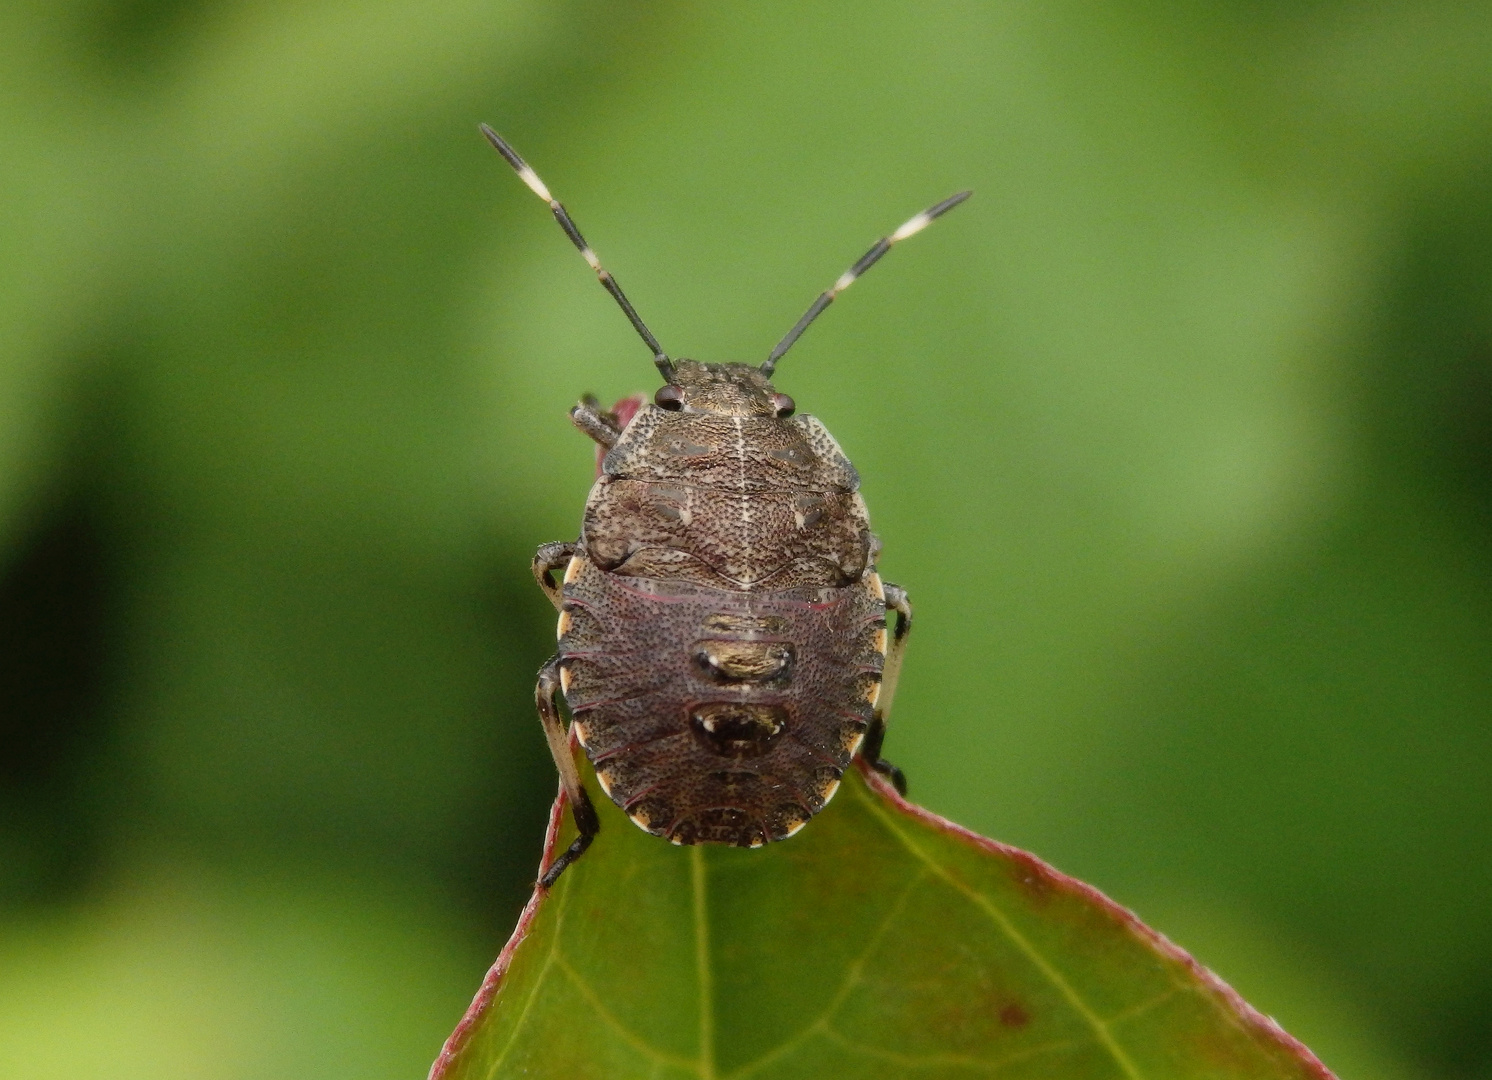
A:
[881,942]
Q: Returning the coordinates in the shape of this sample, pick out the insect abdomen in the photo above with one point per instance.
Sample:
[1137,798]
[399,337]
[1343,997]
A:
[714,716]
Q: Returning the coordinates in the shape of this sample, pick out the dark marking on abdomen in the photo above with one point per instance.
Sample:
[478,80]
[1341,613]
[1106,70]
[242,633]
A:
[738,729]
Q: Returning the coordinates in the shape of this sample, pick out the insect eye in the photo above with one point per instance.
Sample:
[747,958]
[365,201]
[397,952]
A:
[669,397]
[784,405]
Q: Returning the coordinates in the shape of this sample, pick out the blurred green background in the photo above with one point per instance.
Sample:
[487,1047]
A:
[1179,434]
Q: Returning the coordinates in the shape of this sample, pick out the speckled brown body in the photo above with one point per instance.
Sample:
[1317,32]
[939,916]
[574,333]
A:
[723,628]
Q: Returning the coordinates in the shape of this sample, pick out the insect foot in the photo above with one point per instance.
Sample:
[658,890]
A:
[723,643]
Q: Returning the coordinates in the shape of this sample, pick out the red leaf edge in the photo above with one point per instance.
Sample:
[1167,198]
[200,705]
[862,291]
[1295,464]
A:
[1250,1016]
[492,981]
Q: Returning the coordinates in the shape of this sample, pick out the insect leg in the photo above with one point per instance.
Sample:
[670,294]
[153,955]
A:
[896,650]
[596,422]
[586,821]
[548,559]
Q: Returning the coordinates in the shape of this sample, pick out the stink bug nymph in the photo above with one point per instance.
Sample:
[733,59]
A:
[723,647]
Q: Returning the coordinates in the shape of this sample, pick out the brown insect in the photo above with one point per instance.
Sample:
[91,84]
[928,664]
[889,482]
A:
[723,645]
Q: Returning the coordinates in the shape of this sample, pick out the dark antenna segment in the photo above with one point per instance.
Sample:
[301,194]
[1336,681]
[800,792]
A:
[883,245]
[531,178]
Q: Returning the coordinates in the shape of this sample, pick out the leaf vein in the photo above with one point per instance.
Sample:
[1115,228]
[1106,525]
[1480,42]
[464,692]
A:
[853,972]
[1143,1007]
[702,964]
[943,1061]
[549,958]
[631,1038]
[1048,971]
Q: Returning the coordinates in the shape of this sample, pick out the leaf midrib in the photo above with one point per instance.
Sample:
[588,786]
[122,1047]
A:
[700,884]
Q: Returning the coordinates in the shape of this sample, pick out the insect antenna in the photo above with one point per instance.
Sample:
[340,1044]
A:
[529,177]
[866,261]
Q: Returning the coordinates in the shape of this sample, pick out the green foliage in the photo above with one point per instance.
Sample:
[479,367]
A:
[882,942]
